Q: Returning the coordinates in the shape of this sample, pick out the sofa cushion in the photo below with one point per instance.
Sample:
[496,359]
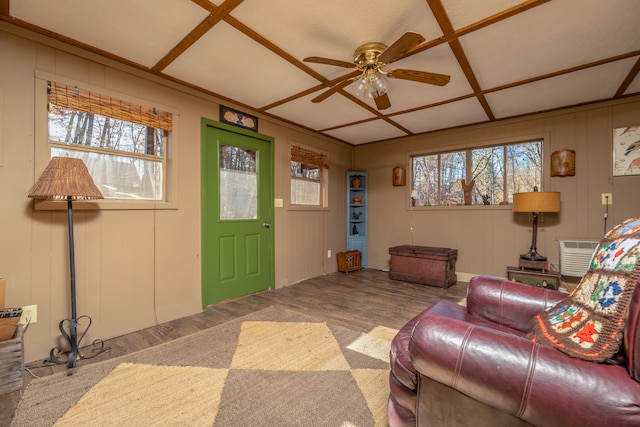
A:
[589,324]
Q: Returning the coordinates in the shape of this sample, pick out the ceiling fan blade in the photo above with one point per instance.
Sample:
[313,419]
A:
[328,61]
[327,93]
[419,76]
[401,46]
[382,101]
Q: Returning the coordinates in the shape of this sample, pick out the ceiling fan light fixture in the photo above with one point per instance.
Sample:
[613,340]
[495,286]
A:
[371,84]
[361,87]
[380,84]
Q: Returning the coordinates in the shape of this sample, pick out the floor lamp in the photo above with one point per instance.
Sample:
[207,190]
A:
[534,203]
[67,179]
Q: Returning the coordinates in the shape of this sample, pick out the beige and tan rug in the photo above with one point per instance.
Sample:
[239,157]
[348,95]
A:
[271,368]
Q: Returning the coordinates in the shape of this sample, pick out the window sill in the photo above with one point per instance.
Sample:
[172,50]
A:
[104,205]
[461,207]
[307,208]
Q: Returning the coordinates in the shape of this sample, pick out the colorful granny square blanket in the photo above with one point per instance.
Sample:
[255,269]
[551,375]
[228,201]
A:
[589,323]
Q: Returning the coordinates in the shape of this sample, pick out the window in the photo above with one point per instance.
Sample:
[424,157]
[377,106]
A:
[123,144]
[497,171]
[307,177]
[238,183]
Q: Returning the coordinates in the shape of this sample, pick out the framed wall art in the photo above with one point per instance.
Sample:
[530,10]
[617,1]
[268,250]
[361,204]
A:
[238,118]
[626,151]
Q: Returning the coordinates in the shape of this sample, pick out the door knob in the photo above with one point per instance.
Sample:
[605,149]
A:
[266,224]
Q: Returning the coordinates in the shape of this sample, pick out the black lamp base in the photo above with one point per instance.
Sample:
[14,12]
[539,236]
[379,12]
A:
[74,341]
[533,256]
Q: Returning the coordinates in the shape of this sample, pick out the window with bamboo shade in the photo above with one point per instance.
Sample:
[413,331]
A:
[308,177]
[123,143]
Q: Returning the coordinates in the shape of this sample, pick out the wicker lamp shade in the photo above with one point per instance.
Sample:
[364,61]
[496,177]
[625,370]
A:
[537,201]
[65,178]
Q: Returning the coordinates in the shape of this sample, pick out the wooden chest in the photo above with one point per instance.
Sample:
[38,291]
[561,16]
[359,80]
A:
[424,265]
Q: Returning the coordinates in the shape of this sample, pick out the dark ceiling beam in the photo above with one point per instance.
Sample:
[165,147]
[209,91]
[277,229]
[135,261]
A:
[447,29]
[217,14]
[253,35]
[446,38]
[329,83]
[623,87]
[501,16]
[633,73]
[567,71]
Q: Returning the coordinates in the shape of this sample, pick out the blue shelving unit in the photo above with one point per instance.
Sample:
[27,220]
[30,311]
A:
[357,215]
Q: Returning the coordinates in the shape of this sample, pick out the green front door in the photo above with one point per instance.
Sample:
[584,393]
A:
[237,212]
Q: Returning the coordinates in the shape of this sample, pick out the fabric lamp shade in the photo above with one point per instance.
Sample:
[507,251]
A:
[537,201]
[65,178]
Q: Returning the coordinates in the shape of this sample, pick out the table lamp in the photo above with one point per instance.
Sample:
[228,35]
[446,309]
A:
[534,203]
[67,179]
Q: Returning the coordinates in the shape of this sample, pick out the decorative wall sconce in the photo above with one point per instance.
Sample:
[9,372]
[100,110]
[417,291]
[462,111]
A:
[399,177]
[563,162]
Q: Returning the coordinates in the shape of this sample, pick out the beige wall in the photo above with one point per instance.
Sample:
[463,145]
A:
[490,238]
[134,267]
[139,267]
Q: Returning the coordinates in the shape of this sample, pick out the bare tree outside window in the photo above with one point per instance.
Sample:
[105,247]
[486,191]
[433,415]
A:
[126,158]
[238,183]
[487,169]
[452,171]
[498,172]
[308,181]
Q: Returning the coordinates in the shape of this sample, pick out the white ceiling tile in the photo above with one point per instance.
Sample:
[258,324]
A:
[333,111]
[137,30]
[247,72]
[463,13]
[570,89]
[334,28]
[375,130]
[444,116]
[540,43]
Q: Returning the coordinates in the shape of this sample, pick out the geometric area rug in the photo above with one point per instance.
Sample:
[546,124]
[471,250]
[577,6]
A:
[273,367]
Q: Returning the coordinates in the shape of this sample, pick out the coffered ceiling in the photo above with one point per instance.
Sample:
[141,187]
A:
[505,57]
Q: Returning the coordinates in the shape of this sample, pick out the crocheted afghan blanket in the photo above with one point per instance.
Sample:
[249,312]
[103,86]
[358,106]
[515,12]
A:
[589,323]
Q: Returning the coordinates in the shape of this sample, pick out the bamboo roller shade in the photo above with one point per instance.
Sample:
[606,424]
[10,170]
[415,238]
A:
[309,157]
[92,102]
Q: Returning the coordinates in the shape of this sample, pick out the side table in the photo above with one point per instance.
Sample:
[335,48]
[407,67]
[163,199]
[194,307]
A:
[540,278]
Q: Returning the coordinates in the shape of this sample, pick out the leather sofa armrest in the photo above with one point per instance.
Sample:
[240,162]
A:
[534,382]
[508,303]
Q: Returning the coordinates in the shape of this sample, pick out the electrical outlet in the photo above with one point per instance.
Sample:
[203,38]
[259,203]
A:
[329,253]
[29,311]
[607,199]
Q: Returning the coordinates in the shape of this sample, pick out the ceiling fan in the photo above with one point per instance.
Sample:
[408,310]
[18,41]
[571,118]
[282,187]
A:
[371,81]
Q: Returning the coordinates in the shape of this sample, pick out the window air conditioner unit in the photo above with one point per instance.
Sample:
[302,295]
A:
[575,256]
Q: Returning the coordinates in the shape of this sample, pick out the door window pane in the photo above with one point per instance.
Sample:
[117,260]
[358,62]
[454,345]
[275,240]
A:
[238,183]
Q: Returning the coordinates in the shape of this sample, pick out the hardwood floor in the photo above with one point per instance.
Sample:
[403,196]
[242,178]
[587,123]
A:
[358,300]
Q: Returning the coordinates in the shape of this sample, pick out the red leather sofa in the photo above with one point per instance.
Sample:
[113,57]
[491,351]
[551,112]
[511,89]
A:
[473,366]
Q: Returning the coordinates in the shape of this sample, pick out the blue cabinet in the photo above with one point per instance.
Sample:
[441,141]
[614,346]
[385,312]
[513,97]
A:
[357,216]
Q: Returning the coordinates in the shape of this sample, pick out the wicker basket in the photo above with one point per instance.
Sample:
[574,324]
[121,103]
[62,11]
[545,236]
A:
[349,261]
[12,363]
